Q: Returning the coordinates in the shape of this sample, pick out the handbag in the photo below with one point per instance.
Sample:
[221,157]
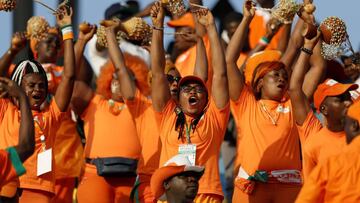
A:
[115,166]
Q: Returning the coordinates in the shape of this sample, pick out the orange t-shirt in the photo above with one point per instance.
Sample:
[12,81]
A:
[257,29]
[107,134]
[143,113]
[335,180]
[207,137]
[263,145]
[320,146]
[49,120]
[185,62]
[68,150]
[11,165]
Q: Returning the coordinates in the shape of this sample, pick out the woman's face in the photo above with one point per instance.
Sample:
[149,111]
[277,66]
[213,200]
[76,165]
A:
[274,85]
[48,48]
[173,77]
[193,98]
[34,86]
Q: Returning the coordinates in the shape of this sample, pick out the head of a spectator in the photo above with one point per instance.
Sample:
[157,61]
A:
[108,84]
[184,24]
[352,122]
[230,24]
[177,180]
[266,3]
[333,99]
[48,48]
[122,11]
[266,75]
[31,77]
[352,66]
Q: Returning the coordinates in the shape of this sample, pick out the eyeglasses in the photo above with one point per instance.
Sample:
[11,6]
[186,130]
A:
[172,79]
[188,89]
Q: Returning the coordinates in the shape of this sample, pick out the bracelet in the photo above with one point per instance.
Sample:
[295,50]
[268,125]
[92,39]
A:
[158,28]
[67,32]
[308,51]
[264,41]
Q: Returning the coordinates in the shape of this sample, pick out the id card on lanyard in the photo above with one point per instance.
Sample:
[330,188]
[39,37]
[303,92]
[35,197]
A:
[44,158]
[188,149]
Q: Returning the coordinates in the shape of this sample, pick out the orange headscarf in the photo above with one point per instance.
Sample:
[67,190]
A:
[136,65]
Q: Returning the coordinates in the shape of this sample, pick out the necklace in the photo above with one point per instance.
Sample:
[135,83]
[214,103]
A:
[114,107]
[277,115]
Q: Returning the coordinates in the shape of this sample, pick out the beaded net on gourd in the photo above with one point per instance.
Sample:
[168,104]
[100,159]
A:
[137,29]
[101,36]
[37,27]
[7,5]
[285,11]
[175,7]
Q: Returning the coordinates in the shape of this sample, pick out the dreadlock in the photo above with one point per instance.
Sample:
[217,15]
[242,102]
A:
[26,67]
[181,120]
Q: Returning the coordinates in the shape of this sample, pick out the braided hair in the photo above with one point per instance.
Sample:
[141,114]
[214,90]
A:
[26,67]
[181,121]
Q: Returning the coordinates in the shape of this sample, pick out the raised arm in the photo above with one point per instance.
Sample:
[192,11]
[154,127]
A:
[201,62]
[64,91]
[220,91]
[26,145]
[86,32]
[127,84]
[300,104]
[18,42]
[159,82]
[234,75]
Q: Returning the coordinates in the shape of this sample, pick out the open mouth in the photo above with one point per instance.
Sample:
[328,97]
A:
[193,101]
[174,91]
[281,86]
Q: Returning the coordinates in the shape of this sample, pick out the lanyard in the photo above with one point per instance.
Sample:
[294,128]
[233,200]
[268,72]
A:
[39,128]
[188,131]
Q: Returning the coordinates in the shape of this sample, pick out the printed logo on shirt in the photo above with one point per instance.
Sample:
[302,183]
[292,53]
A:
[282,109]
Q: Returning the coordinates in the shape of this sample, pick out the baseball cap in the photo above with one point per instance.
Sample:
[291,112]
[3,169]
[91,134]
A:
[178,164]
[330,88]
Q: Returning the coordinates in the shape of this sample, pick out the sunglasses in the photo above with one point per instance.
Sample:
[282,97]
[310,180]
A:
[172,79]
[188,89]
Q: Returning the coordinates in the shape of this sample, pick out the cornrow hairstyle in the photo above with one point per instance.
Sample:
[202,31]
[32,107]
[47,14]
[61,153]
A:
[26,67]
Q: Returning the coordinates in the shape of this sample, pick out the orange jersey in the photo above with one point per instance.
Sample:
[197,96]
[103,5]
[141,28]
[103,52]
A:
[68,150]
[185,62]
[49,122]
[261,144]
[257,29]
[11,165]
[321,146]
[107,134]
[336,179]
[143,113]
[207,137]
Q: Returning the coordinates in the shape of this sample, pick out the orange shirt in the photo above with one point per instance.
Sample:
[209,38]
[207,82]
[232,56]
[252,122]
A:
[68,150]
[143,113]
[185,62]
[207,137]
[50,120]
[320,146]
[257,29]
[336,180]
[107,134]
[11,165]
[263,145]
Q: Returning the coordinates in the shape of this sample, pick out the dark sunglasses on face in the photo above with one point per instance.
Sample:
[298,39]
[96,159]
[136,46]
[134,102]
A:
[172,79]
[188,89]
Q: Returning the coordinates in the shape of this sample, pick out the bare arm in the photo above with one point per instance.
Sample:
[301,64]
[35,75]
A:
[300,103]
[201,63]
[81,97]
[159,82]
[235,76]
[127,85]
[64,91]
[18,42]
[284,39]
[219,88]
[26,145]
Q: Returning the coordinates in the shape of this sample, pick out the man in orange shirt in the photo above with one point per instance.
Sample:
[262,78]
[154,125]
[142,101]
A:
[337,179]
[177,180]
[12,157]
[331,99]
[194,126]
